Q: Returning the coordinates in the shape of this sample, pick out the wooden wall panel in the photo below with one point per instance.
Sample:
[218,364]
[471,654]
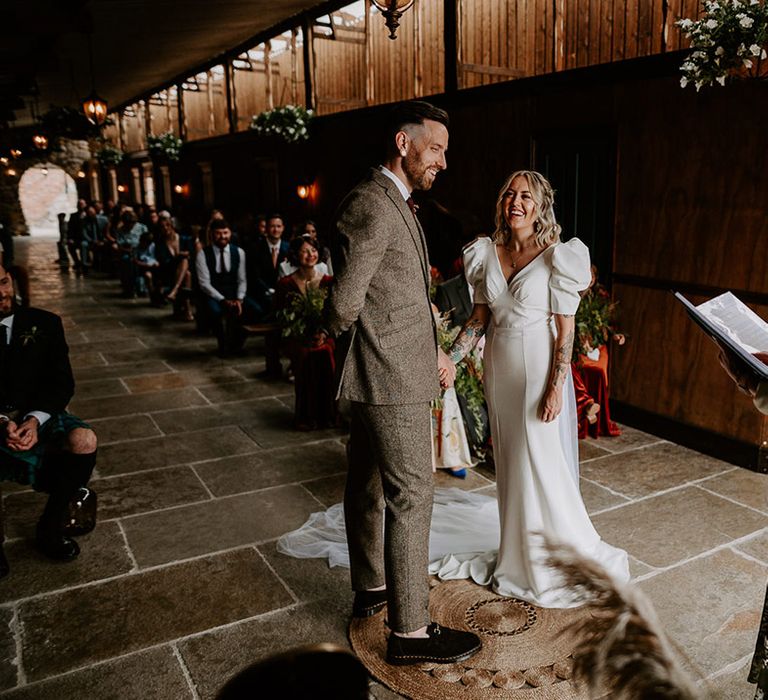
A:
[206,109]
[164,113]
[669,367]
[134,129]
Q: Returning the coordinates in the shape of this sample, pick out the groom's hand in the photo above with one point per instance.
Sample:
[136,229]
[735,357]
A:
[446,370]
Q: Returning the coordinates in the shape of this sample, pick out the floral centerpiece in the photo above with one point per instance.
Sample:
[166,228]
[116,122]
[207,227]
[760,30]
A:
[302,316]
[291,123]
[729,38]
[595,319]
[109,155]
[165,145]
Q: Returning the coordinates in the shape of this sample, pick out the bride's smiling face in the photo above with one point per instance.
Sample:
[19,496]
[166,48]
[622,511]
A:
[519,204]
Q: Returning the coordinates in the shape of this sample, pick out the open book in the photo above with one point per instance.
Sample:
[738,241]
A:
[734,325]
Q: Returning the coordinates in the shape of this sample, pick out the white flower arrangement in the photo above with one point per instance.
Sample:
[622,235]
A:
[290,122]
[165,145]
[731,36]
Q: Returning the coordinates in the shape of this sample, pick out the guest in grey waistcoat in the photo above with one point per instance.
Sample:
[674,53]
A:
[390,370]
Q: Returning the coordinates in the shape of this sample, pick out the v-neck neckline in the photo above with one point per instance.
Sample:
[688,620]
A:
[519,272]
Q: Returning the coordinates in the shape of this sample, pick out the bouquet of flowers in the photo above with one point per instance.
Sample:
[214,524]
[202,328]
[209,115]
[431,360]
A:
[730,36]
[110,155]
[165,145]
[290,123]
[302,317]
[594,321]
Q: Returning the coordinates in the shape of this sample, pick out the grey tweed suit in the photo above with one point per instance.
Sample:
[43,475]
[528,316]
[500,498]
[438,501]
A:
[379,307]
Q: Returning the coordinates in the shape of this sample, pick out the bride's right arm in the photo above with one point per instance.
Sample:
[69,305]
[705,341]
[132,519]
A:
[471,332]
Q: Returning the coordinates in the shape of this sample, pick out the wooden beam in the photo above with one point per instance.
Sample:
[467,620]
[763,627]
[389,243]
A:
[229,87]
[559,42]
[452,41]
[418,62]
[147,117]
[294,68]
[370,85]
[209,95]
[168,108]
[493,70]
[268,67]
[182,113]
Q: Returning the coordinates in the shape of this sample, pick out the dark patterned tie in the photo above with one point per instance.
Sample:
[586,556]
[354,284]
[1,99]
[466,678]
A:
[412,205]
[223,266]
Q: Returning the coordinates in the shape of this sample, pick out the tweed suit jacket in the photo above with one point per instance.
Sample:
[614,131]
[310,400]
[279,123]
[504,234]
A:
[379,304]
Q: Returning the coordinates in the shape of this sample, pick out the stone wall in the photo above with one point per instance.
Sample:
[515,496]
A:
[70,155]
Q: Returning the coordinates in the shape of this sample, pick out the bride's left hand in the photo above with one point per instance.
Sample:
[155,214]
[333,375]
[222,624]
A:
[551,405]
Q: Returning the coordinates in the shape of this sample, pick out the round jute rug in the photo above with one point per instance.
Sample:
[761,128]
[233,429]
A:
[526,652]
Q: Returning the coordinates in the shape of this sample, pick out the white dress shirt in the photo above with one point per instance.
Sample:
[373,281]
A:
[41,416]
[204,277]
[400,184]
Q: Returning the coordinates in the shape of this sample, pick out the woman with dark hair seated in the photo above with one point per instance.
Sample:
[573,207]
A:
[299,301]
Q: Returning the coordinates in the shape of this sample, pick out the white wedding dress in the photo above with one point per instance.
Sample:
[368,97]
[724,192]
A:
[536,462]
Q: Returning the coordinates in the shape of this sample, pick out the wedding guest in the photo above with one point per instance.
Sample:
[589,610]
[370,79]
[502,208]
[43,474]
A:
[95,227]
[311,355]
[172,273]
[264,258]
[127,236]
[75,234]
[145,263]
[757,389]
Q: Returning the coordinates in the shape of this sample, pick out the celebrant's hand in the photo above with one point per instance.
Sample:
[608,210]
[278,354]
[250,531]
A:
[734,368]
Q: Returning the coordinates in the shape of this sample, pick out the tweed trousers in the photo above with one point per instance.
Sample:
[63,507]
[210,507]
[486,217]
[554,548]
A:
[388,507]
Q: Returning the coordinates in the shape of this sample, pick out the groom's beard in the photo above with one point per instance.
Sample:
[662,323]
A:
[419,174]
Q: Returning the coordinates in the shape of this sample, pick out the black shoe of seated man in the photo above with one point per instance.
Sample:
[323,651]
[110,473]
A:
[52,542]
[81,518]
[443,646]
[368,603]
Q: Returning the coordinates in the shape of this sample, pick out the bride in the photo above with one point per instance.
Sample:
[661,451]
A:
[526,287]
[526,291]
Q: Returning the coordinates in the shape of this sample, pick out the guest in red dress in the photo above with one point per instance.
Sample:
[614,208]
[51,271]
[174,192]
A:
[310,353]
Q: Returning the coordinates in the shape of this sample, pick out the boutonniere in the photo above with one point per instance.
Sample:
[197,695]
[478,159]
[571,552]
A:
[30,336]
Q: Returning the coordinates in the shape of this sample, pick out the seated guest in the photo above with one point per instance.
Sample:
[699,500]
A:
[75,234]
[127,236]
[311,358]
[173,266]
[145,263]
[95,228]
[288,268]
[264,258]
[221,276]
[41,444]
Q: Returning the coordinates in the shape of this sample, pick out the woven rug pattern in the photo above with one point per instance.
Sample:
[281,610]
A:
[526,652]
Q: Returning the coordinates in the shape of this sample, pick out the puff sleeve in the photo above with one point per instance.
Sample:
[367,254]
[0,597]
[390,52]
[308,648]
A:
[475,257]
[571,274]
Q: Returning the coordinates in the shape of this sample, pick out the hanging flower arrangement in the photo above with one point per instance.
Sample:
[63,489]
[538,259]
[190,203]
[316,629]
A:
[291,123]
[166,145]
[110,155]
[729,38]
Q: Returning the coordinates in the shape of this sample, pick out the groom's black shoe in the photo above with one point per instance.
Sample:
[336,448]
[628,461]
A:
[442,646]
[368,603]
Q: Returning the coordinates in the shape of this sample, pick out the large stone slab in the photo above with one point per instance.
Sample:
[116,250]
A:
[629,439]
[97,388]
[666,529]
[151,674]
[243,391]
[84,625]
[121,428]
[169,450]
[597,498]
[651,469]
[181,421]
[102,555]
[215,657]
[136,403]
[130,370]
[8,668]
[743,486]
[274,427]
[155,382]
[272,467]
[711,607]
[193,530]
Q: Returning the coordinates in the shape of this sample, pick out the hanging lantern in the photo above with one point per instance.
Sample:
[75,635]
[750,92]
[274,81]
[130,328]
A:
[40,142]
[95,109]
[392,10]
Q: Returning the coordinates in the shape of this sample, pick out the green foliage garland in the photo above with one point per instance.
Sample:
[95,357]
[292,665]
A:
[290,123]
[730,37]
[110,155]
[594,321]
[165,145]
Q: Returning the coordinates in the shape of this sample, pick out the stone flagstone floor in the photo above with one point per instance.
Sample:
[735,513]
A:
[199,472]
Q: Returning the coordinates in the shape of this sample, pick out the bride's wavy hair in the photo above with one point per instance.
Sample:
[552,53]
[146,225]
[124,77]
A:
[546,229]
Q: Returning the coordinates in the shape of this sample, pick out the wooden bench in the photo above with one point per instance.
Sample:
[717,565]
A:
[271,334]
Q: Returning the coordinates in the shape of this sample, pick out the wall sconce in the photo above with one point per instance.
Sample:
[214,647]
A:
[4,161]
[303,191]
[392,11]
[80,174]
[15,153]
[11,172]
[95,109]
[181,189]
[40,142]
[122,188]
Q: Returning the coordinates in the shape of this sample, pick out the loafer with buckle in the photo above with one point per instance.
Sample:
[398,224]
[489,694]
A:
[443,645]
[368,603]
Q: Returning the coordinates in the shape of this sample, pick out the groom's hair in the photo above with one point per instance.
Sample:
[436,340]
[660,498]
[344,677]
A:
[415,112]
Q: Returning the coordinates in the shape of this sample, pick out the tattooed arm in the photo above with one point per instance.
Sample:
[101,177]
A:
[552,403]
[472,331]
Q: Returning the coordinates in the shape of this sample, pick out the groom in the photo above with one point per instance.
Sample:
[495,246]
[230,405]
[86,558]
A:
[391,369]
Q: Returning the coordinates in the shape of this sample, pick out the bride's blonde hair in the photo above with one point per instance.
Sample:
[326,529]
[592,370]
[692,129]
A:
[546,229]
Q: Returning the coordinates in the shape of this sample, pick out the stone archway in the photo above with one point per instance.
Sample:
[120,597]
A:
[45,190]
